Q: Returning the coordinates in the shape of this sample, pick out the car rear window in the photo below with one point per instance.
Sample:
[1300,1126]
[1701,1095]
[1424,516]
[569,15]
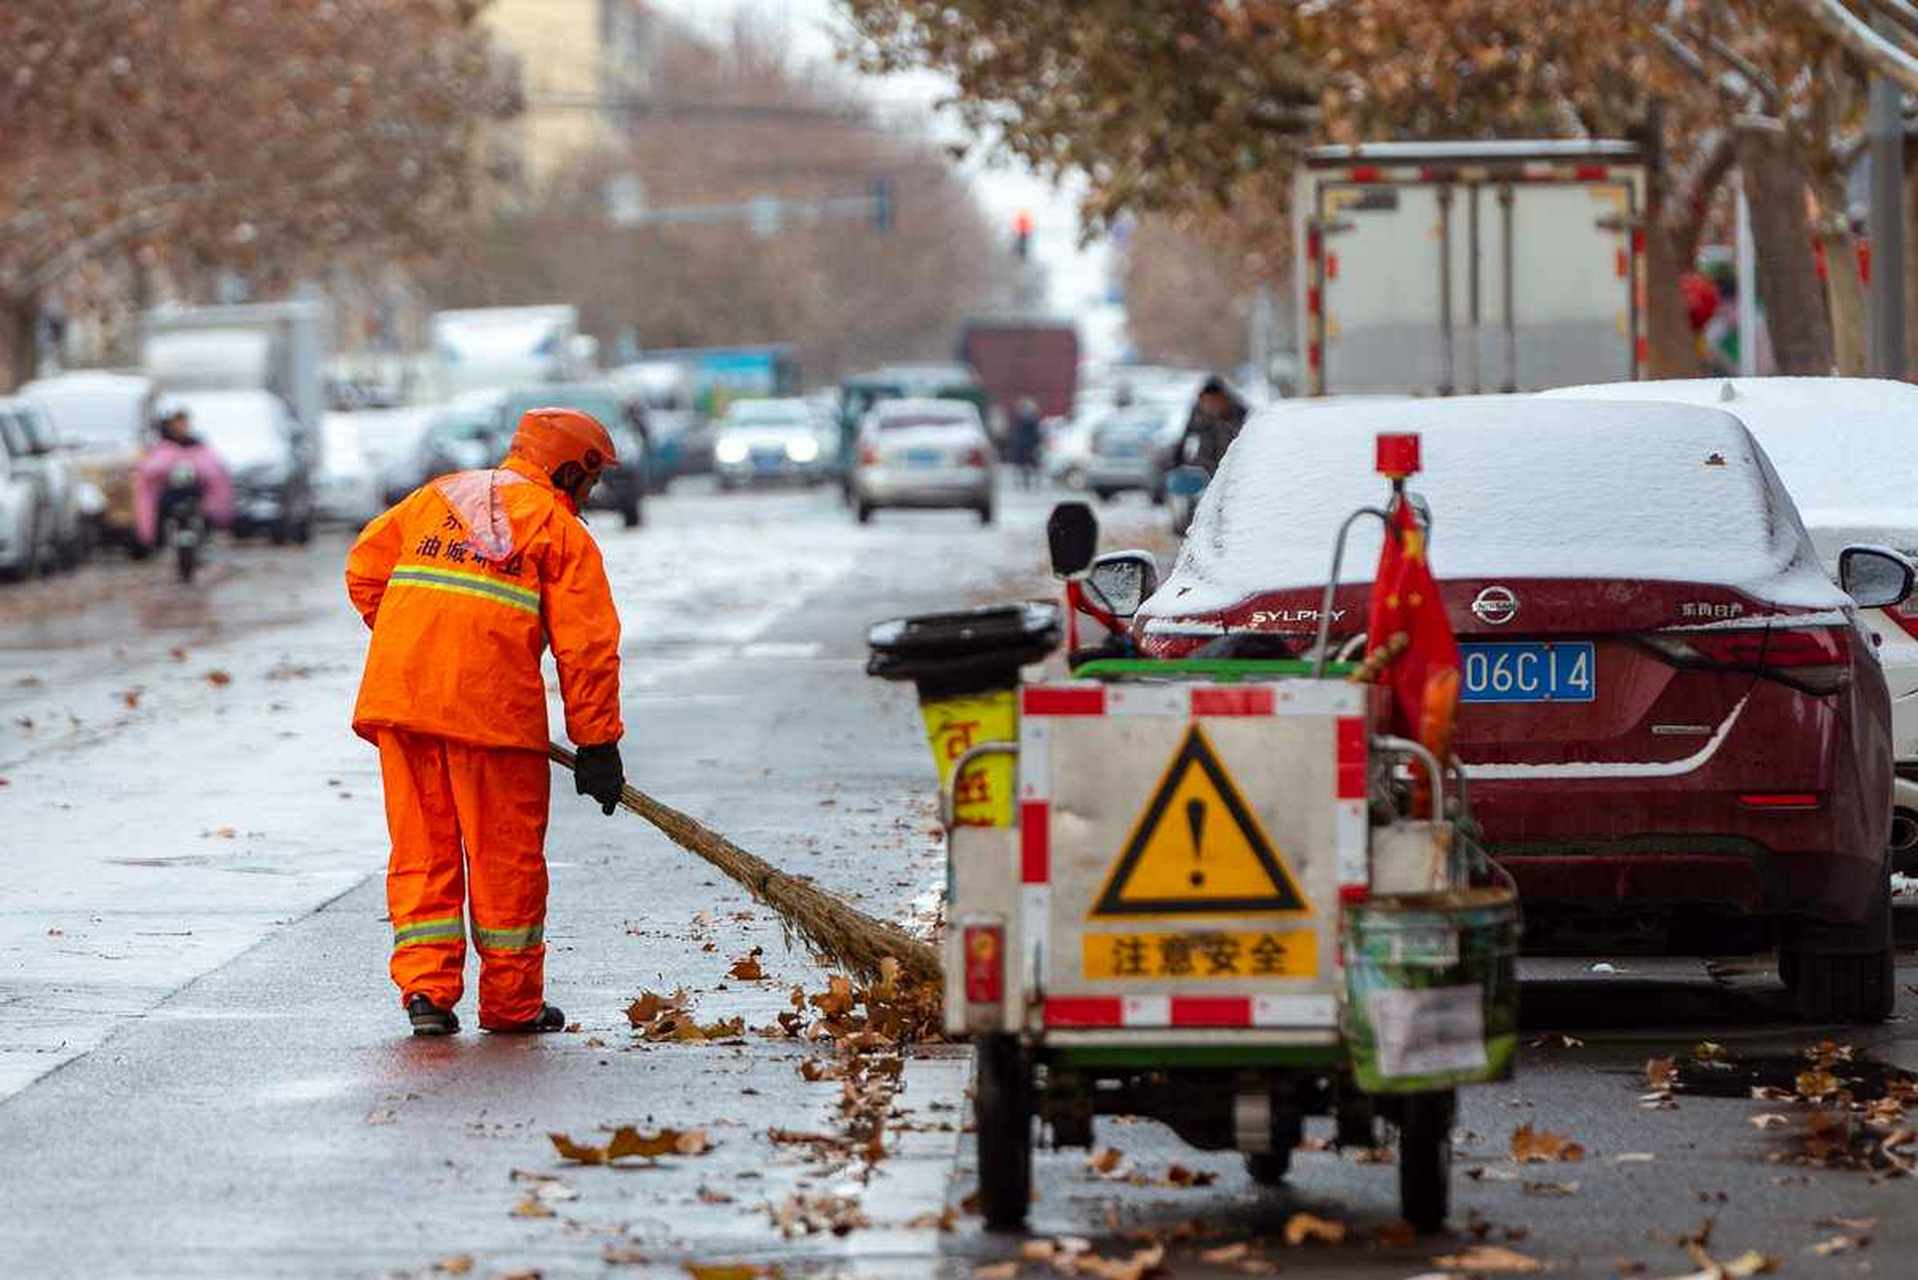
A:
[1518,488]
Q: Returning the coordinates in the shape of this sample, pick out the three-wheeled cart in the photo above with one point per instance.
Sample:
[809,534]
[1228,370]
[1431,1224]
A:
[1193,891]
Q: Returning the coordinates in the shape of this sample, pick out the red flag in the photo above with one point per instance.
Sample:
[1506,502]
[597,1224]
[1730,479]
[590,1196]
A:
[1424,676]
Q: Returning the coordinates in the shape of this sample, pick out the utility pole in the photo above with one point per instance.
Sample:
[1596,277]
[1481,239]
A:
[1886,128]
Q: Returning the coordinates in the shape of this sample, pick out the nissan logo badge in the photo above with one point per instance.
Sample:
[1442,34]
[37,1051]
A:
[1495,606]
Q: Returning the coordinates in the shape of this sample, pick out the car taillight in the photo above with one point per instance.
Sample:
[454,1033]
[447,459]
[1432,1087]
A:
[1907,619]
[978,458]
[1815,659]
[985,948]
[868,456]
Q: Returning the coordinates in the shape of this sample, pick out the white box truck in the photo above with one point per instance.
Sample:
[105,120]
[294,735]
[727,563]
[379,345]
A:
[1442,268]
[485,348]
[268,346]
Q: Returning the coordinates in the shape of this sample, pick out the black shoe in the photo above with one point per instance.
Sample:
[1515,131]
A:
[550,1019]
[429,1019]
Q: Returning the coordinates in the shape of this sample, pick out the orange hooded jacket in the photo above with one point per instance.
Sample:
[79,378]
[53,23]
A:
[464,583]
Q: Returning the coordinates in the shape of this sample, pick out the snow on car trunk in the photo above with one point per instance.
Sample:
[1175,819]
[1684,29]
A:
[1841,445]
[1518,487]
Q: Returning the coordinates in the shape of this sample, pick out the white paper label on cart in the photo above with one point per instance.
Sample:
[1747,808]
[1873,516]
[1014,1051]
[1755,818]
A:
[1427,1032]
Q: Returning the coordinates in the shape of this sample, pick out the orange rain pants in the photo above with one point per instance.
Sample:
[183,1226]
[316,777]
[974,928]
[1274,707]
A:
[452,806]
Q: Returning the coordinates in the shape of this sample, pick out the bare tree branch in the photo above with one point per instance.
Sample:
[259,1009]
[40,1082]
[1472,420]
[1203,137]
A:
[1883,56]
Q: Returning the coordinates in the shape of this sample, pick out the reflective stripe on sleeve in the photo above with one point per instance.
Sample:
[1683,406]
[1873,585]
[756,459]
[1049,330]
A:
[467,584]
[443,929]
[521,939]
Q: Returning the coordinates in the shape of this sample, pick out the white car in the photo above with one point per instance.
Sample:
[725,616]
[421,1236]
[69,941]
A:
[771,440]
[24,545]
[346,483]
[923,453]
[1842,446]
[1130,446]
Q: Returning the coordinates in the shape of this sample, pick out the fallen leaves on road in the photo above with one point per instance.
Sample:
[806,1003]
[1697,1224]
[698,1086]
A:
[131,697]
[459,1264]
[1557,1040]
[1770,1120]
[658,1017]
[1839,1244]
[217,678]
[531,1206]
[1302,1228]
[628,1141]
[1488,1259]
[1074,1256]
[1111,1164]
[1550,1188]
[996,1271]
[746,968]
[817,1213]
[731,1270]
[1538,1146]
[1661,1073]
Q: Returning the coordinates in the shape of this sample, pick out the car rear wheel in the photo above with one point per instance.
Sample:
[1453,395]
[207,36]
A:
[863,512]
[1268,1168]
[1002,1115]
[985,514]
[1105,495]
[1833,982]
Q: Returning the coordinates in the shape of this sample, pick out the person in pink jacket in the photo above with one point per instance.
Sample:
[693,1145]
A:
[178,446]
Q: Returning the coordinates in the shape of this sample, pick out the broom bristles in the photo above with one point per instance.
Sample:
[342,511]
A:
[827,926]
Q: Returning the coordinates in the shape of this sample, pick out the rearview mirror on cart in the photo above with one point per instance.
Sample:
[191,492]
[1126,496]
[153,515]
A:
[1125,580]
[1072,533]
[1875,577]
[1186,482]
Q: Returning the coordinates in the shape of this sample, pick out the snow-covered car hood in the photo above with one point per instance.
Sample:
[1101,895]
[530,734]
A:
[1519,487]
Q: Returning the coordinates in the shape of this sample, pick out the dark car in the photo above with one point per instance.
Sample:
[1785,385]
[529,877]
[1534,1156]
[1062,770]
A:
[623,488]
[259,443]
[1675,730]
[464,435]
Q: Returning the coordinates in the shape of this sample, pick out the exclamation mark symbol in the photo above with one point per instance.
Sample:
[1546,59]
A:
[1195,822]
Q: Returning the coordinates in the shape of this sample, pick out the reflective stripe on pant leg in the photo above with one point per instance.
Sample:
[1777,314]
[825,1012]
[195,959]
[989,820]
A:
[425,882]
[502,802]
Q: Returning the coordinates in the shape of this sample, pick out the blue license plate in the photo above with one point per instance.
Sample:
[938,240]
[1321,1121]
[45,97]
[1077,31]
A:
[924,457]
[1530,671]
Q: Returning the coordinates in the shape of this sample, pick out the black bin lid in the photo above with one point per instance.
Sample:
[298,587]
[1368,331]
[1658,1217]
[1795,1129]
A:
[973,646]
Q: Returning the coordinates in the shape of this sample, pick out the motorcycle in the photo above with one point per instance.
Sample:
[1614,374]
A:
[183,523]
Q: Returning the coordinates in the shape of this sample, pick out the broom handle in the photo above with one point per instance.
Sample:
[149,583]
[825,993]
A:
[632,799]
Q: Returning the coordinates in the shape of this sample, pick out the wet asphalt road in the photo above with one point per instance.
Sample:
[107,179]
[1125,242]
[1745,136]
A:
[203,1070]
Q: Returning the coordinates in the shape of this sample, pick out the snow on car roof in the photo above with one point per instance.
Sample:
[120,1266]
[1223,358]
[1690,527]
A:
[1841,445]
[1519,487]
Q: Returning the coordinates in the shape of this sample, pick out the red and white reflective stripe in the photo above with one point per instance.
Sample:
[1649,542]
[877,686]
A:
[1093,1012]
[1173,700]
[1348,811]
[1319,698]
[1035,842]
[1063,700]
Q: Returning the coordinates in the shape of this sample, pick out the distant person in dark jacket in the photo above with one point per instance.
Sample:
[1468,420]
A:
[1025,442]
[1214,423]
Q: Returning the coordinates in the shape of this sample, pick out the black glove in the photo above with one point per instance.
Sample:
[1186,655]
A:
[598,773]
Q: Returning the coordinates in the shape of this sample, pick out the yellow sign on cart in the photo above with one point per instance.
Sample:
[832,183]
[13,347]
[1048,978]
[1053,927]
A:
[1237,953]
[954,726]
[1198,848]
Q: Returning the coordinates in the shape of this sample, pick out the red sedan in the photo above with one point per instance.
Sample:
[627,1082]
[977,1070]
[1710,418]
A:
[1675,729]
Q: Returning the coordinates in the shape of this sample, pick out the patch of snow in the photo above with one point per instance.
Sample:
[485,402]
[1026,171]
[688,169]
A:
[1841,445]
[1599,769]
[1519,487]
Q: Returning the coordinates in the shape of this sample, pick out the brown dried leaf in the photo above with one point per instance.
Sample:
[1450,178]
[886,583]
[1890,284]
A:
[532,1207]
[1106,1161]
[217,678]
[730,1270]
[996,1271]
[1661,1073]
[1770,1120]
[1537,1146]
[1303,1227]
[747,969]
[459,1264]
[1488,1258]
[1816,1083]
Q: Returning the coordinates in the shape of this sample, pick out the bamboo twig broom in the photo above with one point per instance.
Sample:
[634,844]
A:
[828,927]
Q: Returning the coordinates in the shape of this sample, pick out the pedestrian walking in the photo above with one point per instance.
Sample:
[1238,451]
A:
[464,584]
[1025,442]
[1212,426]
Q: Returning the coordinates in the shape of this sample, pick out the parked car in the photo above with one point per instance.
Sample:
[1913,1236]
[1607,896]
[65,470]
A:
[623,487]
[1127,446]
[259,443]
[102,421]
[26,540]
[771,440]
[346,487]
[29,436]
[923,453]
[1839,446]
[1673,722]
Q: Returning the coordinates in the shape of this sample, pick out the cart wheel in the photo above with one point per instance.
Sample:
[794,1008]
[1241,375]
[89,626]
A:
[1425,1158]
[1268,1168]
[1002,1114]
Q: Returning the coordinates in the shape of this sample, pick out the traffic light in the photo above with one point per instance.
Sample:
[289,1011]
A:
[882,205]
[1022,235]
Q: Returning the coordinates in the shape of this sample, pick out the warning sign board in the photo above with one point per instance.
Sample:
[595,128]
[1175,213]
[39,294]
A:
[1198,848]
[1287,953]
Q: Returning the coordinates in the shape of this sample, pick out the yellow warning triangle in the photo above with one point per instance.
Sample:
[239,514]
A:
[1198,848]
